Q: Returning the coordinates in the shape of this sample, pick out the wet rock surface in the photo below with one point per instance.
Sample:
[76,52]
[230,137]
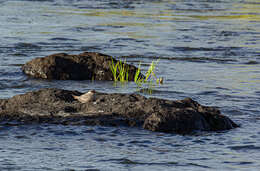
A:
[60,107]
[85,66]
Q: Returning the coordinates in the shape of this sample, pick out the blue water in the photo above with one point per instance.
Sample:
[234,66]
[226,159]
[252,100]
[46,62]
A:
[208,50]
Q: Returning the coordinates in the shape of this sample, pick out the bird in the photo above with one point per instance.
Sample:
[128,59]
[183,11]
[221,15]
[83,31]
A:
[84,98]
[161,80]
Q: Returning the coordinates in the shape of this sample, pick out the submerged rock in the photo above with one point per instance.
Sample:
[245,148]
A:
[60,107]
[85,66]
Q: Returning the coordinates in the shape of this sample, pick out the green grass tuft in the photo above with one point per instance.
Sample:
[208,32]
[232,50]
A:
[120,71]
[113,68]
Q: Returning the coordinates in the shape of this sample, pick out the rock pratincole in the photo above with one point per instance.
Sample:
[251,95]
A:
[84,98]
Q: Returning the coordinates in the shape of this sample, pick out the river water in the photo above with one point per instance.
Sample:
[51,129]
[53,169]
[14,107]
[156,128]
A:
[208,49]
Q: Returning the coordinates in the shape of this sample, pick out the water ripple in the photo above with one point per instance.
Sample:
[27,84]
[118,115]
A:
[245,147]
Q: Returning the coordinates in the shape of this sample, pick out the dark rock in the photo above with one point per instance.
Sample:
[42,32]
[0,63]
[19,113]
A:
[186,116]
[85,66]
[59,107]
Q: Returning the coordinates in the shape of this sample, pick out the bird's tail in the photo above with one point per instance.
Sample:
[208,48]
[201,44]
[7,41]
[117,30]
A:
[75,97]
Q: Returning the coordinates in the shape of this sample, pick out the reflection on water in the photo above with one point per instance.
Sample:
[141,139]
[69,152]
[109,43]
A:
[208,50]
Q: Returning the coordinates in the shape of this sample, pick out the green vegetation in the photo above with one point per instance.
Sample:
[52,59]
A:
[120,73]
[138,79]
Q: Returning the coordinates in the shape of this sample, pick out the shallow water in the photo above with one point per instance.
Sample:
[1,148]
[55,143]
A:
[208,50]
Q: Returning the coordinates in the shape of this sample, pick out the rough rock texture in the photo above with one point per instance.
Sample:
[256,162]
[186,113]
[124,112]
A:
[85,66]
[58,106]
